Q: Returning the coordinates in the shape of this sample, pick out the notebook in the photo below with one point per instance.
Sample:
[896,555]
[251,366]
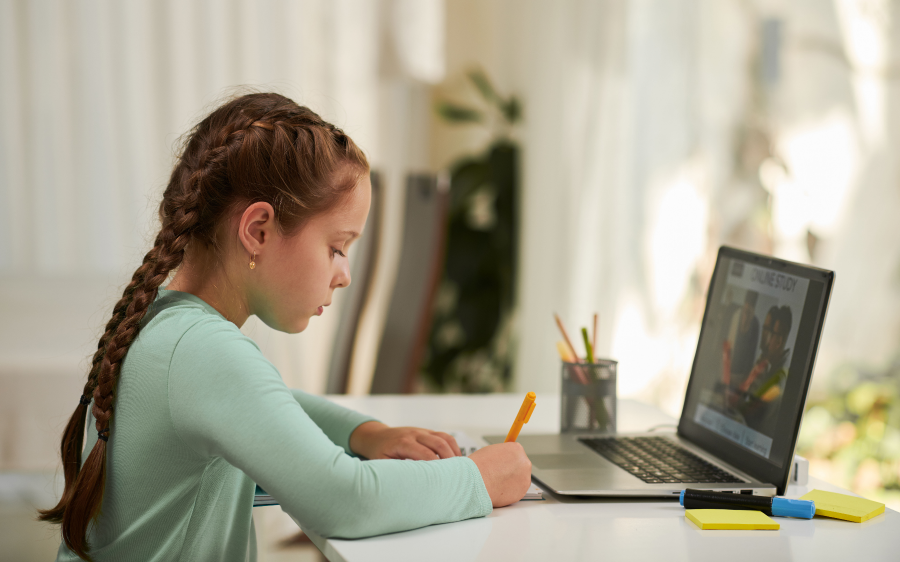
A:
[744,401]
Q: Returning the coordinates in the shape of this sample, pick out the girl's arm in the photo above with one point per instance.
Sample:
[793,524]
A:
[227,401]
[337,422]
[362,435]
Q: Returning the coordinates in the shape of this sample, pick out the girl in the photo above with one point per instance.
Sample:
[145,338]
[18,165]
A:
[257,218]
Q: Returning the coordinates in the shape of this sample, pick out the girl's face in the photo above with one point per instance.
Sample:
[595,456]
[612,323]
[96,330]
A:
[298,274]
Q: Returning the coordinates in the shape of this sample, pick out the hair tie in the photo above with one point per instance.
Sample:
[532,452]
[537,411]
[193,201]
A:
[101,436]
[86,400]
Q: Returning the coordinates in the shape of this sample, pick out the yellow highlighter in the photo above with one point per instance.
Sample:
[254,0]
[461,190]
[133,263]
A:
[522,417]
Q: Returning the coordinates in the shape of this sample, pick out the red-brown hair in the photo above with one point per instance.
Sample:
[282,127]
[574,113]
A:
[257,147]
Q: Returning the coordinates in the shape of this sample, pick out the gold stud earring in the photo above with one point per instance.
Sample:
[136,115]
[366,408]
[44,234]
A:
[253,261]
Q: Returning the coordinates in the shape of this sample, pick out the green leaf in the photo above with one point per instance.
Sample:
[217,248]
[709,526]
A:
[484,85]
[459,114]
[512,110]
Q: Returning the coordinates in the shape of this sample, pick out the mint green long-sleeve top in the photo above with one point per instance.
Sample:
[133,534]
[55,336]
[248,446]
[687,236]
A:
[200,416]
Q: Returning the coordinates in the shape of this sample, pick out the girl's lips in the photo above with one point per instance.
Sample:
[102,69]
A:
[320,310]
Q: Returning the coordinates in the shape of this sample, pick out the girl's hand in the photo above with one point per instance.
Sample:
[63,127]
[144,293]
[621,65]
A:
[375,440]
[506,472]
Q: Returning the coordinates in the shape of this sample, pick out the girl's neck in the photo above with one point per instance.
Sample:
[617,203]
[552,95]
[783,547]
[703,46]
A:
[209,280]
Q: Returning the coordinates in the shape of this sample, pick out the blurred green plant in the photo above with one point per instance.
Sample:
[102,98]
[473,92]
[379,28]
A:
[470,341]
[851,436]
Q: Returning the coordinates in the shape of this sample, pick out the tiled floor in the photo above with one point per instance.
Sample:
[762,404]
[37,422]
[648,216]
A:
[24,539]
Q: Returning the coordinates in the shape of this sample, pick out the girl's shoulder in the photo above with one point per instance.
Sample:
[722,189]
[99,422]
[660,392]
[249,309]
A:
[199,350]
[175,315]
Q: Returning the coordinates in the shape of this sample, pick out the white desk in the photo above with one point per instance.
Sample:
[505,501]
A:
[562,529]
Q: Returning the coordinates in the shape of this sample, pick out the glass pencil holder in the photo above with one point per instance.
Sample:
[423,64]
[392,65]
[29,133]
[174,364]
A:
[588,398]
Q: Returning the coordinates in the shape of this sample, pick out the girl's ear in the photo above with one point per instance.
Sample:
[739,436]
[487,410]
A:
[257,227]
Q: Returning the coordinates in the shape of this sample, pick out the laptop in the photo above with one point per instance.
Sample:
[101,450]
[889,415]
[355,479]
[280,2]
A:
[744,400]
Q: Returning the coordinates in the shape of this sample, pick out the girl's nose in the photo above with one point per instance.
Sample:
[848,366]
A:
[342,279]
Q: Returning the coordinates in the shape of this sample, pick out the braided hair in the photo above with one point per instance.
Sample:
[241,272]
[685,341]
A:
[254,148]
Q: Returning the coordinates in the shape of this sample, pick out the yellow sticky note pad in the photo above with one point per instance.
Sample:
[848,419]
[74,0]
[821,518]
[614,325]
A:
[731,519]
[842,506]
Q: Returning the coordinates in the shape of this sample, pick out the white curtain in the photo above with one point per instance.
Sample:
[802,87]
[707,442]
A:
[635,169]
[621,140]
[96,93]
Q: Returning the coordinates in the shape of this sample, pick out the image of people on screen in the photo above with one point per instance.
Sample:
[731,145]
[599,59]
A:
[744,359]
[753,396]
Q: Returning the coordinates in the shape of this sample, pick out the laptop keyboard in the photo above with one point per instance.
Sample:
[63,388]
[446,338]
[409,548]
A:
[657,460]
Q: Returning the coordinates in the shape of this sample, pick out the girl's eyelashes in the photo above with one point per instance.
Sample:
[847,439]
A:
[336,252]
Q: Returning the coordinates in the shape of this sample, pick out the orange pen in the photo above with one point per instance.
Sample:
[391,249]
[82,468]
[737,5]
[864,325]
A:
[522,417]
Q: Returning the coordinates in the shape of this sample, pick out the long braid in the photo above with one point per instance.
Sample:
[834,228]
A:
[73,438]
[260,147]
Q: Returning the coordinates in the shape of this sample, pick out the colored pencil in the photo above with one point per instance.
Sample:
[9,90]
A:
[565,335]
[588,349]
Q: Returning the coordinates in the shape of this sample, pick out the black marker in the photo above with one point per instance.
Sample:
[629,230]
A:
[704,499]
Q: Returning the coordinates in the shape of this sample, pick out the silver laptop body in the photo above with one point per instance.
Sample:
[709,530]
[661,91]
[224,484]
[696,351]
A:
[744,431]
[564,465]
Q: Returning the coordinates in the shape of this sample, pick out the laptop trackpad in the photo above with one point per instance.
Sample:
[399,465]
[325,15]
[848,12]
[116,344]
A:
[550,462]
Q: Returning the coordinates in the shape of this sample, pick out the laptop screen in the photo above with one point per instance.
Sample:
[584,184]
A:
[754,360]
